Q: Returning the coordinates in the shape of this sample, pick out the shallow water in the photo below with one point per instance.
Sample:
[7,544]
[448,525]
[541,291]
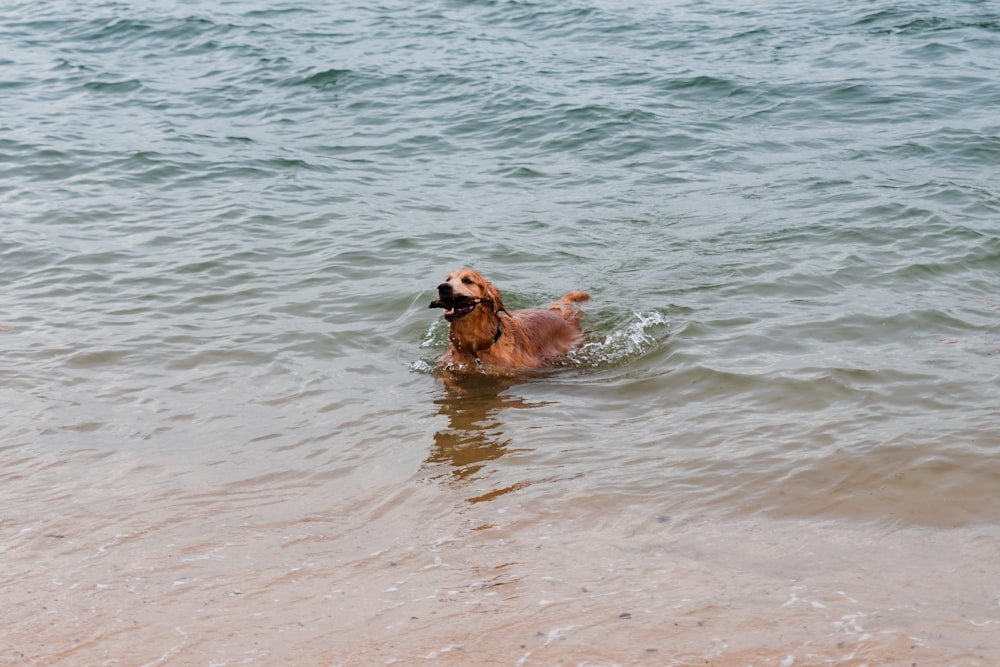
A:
[225,441]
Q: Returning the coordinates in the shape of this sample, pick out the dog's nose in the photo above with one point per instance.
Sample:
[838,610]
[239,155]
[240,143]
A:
[444,288]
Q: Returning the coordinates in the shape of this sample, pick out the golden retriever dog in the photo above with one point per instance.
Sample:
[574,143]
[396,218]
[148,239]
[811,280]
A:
[486,336]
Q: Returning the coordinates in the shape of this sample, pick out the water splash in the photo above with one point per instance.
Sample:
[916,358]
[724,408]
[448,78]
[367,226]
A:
[421,366]
[642,333]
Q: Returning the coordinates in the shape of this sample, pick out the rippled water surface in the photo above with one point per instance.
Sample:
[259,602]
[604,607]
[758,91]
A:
[225,440]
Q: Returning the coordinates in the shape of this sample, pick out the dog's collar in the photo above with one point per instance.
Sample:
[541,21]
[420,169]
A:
[479,362]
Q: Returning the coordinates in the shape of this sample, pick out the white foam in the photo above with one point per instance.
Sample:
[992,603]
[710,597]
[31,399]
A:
[637,337]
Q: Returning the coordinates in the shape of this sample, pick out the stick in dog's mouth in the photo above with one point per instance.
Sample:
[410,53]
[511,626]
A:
[455,308]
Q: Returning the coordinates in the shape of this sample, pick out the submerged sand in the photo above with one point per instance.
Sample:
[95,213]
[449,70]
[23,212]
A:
[270,572]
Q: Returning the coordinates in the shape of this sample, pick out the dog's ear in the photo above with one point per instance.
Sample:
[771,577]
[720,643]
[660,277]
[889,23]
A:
[493,294]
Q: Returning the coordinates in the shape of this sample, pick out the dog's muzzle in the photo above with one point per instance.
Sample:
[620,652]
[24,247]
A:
[454,306]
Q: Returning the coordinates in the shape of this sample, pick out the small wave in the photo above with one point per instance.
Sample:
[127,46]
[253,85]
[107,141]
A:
[324,79]
[436,336]
[103,29]
[421,366]
[114,87]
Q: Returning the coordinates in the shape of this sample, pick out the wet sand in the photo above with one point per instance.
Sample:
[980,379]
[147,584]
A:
[273,571]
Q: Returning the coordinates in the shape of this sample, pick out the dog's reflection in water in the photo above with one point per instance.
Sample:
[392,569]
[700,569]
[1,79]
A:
[475,434]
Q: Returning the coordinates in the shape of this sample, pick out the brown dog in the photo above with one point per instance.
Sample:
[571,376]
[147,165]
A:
[483,340]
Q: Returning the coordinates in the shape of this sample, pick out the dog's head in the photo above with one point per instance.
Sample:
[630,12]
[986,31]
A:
[463,291]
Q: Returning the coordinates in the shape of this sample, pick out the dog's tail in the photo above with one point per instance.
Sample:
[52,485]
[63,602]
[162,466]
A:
[565,307]
[575,297]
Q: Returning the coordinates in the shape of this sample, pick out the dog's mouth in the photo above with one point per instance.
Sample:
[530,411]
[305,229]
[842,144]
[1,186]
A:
[455,308]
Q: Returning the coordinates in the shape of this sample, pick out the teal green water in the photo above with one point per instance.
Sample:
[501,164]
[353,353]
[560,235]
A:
[222,224]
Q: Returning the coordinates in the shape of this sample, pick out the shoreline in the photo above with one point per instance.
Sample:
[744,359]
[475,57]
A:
[421,576]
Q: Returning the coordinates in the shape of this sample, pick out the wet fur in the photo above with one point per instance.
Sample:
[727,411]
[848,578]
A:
[530,338]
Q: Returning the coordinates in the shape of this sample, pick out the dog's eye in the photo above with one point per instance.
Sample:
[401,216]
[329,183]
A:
[467,281]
